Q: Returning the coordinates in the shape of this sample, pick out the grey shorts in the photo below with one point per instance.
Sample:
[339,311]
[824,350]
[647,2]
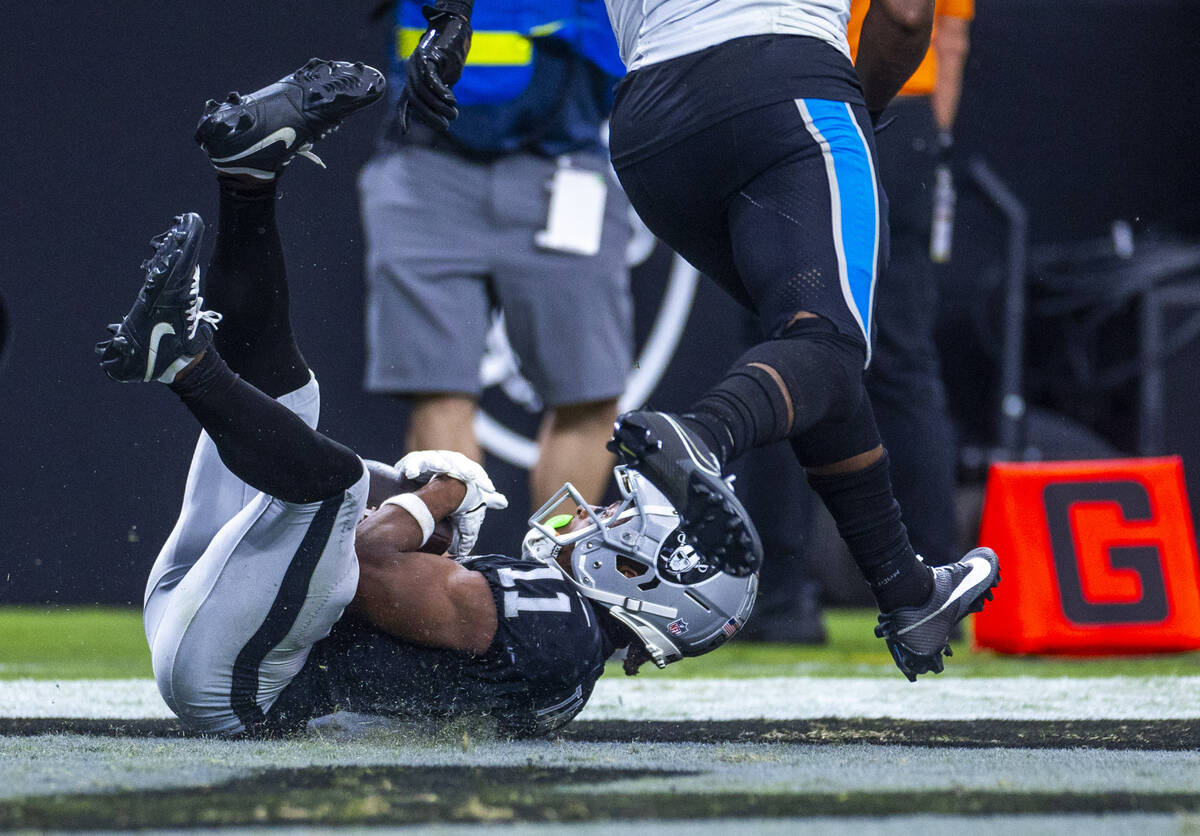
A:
[449,239]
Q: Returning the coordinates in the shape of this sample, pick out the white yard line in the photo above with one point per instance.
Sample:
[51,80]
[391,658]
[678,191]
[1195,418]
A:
[931,698]
[775,698]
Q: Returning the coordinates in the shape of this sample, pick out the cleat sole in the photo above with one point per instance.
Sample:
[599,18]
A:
[714,522]
[257,134]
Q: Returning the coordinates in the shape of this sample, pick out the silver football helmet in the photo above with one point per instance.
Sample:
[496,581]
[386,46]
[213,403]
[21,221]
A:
[633,559]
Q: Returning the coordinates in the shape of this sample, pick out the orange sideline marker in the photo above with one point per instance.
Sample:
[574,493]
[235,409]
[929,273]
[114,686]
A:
[1095,557]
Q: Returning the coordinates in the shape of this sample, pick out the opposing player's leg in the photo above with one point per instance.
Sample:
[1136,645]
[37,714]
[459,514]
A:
[681,195]
[816,364]
[808,235]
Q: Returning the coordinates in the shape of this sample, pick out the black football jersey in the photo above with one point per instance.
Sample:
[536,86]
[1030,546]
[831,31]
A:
[548,652]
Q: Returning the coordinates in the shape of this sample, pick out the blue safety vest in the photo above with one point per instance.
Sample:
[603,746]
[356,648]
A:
[510,40]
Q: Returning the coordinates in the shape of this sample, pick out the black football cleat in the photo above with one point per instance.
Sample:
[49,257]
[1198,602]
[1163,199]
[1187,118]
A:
[166,328]
[919,636]
[680,464]
[257,134]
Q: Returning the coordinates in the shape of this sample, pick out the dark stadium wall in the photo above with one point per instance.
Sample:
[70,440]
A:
[1087,108]
[99,160]
[1077,104]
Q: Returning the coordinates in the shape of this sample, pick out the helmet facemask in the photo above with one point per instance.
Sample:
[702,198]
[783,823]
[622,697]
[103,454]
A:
[633,559]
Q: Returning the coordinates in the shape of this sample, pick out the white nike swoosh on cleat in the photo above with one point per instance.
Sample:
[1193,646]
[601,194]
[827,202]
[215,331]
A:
[980,569]
[285,135]
[160,331]
[709,466]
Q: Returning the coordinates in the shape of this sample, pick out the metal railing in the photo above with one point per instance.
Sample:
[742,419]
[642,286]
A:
[1011,422]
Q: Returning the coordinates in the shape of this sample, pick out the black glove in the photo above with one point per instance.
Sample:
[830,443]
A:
[434,66]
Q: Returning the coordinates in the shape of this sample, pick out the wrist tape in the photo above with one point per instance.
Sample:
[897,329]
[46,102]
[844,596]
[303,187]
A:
[417,509]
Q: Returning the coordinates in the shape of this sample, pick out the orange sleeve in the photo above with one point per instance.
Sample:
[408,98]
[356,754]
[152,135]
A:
[858,10]
[956,8]
[921,83]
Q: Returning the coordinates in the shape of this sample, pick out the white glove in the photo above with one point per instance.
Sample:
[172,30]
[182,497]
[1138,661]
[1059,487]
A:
[467,518]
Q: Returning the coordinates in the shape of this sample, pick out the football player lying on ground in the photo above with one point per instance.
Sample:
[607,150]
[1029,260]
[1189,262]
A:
[280,595]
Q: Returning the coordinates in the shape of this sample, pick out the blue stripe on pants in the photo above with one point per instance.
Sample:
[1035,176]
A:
[854,198]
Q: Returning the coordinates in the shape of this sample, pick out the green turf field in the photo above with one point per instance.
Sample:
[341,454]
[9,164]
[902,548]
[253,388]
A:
[105,643]
[72,643]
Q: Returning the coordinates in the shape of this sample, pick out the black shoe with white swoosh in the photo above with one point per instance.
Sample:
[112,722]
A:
[166,328]
[918,636]
[680,464]
[257,134]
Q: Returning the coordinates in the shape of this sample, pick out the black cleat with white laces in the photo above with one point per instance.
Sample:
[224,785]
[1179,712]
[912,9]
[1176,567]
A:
[166,328]
[918,636]
[680,464]
[257,134]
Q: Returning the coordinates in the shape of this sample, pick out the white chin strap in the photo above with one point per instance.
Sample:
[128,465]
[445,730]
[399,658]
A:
[537,546]
[627,604]
[662,651]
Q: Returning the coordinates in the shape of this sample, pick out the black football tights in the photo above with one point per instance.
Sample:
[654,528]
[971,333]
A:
[232,389]
[247,282]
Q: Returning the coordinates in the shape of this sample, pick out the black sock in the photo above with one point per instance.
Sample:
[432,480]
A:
[260,440]
[712,431]
[746,409]
[868,518]
[247,282]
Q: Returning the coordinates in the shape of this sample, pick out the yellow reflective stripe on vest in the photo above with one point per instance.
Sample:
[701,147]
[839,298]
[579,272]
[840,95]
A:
[494,49]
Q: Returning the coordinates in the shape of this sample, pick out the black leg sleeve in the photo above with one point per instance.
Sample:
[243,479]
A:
[260,440]
[247,282]
[781,388]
